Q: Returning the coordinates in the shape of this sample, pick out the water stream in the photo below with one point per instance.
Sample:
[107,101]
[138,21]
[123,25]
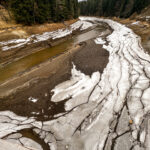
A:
[36,58]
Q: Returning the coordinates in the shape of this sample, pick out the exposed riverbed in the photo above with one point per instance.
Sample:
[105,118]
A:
[95,96]
[29,80]
[36,58]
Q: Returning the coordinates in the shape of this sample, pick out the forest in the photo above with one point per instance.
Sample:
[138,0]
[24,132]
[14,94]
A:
[30,12]
[118,8]
[39,11]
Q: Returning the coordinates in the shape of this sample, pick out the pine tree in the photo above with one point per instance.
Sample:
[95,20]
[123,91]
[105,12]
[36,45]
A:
[40,11]
[119,8]
[23,11]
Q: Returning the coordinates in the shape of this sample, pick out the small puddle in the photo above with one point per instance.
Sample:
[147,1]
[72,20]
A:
[36,58]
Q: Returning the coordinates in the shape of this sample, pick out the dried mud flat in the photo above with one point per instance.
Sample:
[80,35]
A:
[95,96]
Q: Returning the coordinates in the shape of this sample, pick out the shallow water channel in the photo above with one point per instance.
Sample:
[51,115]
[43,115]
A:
[36,58]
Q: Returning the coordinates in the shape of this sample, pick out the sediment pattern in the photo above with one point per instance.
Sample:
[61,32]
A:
[108,111]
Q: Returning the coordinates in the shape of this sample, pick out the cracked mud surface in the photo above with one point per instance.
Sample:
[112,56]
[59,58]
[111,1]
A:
[102,109]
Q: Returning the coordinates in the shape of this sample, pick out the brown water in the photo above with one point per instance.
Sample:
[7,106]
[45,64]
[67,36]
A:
[36,58]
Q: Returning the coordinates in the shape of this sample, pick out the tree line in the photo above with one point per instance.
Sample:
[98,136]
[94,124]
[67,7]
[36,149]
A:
[40,11]
[119,8]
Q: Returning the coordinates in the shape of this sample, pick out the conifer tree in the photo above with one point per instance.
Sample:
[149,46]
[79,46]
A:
[119,8]
[40,11]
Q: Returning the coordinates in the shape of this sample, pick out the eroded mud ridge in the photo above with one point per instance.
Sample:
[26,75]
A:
[103,111]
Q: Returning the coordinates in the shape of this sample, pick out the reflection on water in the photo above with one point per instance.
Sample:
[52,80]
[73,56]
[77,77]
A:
[41,56]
